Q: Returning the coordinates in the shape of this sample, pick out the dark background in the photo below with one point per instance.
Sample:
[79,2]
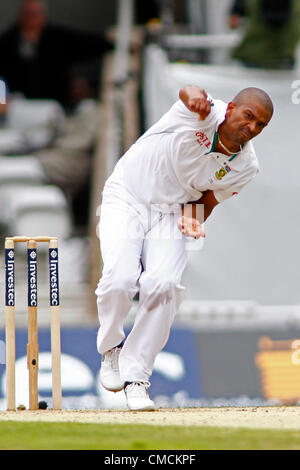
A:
[87,15]
[90,15]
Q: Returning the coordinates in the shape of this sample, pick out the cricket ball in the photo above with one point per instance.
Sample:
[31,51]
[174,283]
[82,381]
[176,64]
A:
[43,405]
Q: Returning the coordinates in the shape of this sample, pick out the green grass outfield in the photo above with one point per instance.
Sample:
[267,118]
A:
[80,436]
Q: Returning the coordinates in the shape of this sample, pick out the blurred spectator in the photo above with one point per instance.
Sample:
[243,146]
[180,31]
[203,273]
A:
[36,56]
[271,35]
[237,13]
[80,89]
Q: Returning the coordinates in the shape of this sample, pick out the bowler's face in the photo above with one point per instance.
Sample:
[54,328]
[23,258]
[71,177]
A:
[246,120]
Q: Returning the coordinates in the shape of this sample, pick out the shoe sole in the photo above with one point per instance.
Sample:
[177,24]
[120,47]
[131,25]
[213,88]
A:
[112,389]
[146,408]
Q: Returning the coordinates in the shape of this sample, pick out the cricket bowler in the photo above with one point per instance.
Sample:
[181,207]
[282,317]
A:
[199,154]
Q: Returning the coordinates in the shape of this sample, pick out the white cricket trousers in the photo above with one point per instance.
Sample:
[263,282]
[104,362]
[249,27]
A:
[142,251]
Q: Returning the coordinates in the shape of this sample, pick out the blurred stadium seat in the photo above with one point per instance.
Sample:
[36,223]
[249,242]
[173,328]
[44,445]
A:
[27,205]
[20,170]
[39,120]
[35,210]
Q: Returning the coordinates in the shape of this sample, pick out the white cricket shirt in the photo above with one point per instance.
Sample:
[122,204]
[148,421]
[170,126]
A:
[174,161]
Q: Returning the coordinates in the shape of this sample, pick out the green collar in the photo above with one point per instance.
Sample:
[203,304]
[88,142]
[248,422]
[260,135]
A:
[214,146]
[214,142]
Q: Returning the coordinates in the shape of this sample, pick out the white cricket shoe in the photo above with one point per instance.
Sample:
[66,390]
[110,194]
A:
[109,372]
[137,396]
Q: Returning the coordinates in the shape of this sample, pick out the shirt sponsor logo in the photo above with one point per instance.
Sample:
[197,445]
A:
[203,139]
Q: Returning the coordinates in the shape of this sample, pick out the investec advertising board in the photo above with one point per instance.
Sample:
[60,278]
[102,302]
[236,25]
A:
[197,368]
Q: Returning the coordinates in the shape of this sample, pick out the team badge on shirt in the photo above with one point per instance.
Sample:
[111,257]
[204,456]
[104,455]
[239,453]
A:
[222,172]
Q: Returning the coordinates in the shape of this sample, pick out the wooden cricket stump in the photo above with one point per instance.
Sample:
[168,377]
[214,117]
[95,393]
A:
[32,346]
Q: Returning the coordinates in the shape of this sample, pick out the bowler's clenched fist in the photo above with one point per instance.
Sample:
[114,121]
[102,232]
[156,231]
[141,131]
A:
[200,105]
